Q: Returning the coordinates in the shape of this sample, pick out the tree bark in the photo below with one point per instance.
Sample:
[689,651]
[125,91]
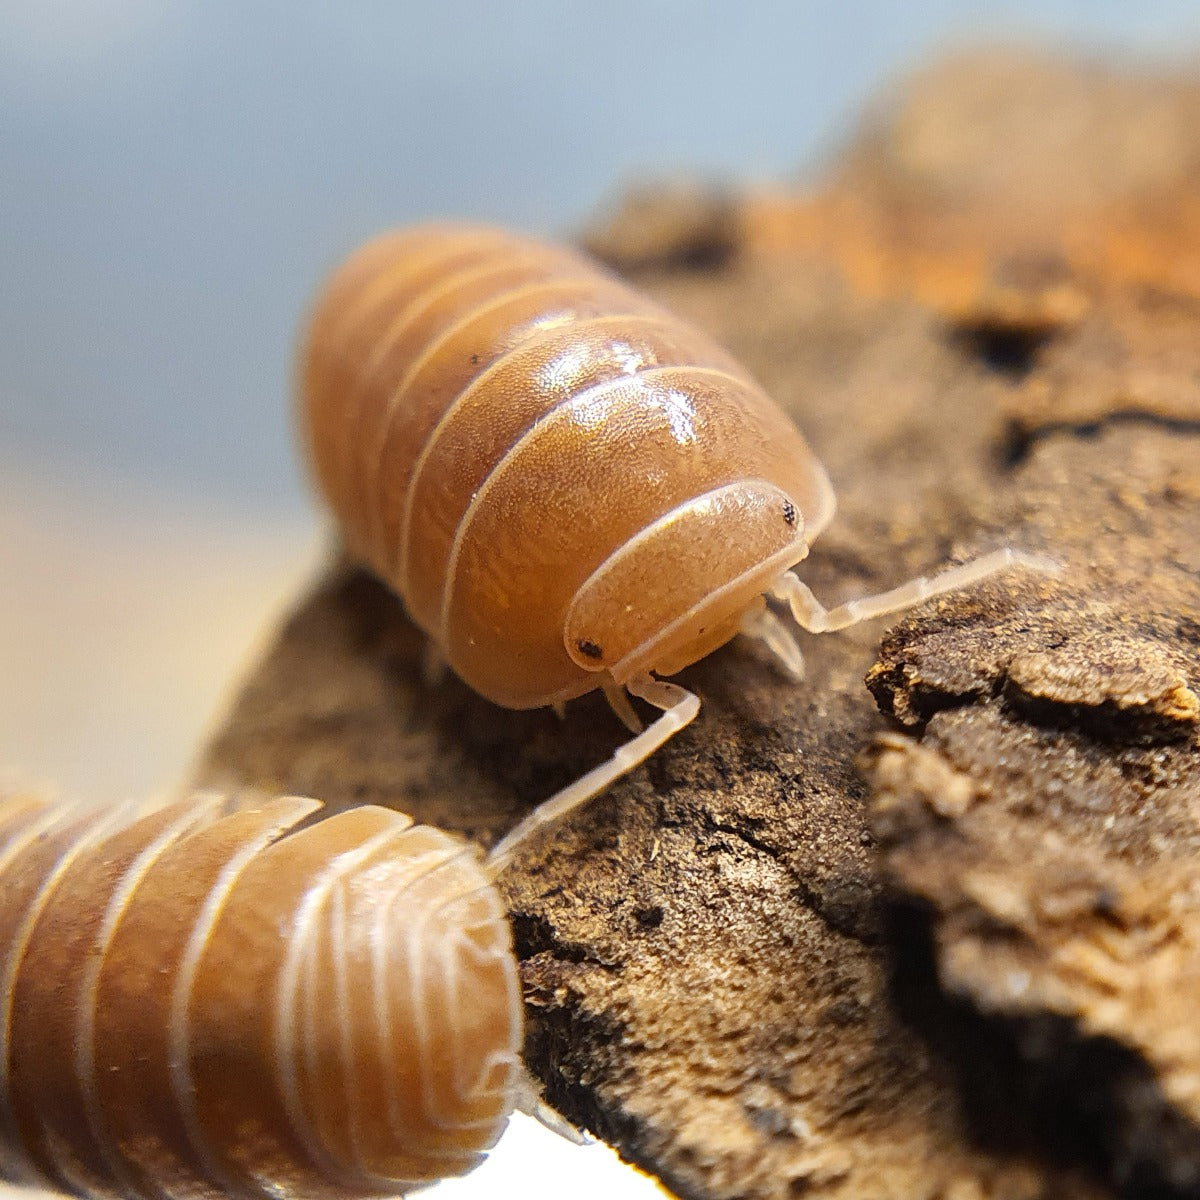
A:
[949,948]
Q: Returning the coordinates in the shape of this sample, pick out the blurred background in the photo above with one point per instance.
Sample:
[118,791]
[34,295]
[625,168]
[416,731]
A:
[176,177]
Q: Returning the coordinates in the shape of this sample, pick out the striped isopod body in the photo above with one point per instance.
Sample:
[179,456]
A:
[205,1003]
[569,487]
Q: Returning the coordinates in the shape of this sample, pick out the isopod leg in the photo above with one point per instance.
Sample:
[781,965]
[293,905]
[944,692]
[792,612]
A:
[433,665]
[530,1102]
[766,627]
[618,701]
[679,708]
[811,614]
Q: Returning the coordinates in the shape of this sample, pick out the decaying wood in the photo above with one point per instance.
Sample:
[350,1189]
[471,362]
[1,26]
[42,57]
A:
[949,949]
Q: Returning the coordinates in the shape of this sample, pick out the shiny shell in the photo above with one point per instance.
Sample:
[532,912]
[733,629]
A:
[567,485]
[208,1003]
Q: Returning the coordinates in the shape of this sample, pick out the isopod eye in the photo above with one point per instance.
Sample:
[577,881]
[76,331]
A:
[678,589]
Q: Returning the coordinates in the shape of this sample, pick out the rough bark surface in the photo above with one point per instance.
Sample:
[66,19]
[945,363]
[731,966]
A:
[949,949]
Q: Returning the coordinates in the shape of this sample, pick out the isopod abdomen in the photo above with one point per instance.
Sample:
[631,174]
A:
[201,1003]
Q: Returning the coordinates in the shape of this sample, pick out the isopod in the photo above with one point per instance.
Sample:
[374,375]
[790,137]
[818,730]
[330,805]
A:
[199,1002]
[569,487]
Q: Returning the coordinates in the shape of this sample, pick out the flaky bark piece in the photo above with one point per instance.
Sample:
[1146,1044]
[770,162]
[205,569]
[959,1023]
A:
[719,980]
[1048,822]
[706,971]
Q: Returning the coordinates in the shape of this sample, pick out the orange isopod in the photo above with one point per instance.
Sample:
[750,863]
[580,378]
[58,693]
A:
[208,1003]
[569,487]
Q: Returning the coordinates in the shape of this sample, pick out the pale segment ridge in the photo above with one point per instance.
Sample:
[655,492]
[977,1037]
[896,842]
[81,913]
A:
[401,898]
[480,1085]
[413,281]
[540,335]
[313,912]
[85,1036]
[511,457]
[100,825]
[15,1164]
[363,385]
[534,333]
[182,1086]
[394,556]
[329,353]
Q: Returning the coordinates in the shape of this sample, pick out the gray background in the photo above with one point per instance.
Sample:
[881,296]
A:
[175,178]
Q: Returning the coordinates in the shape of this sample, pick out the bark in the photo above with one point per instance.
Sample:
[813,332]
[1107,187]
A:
[937,934]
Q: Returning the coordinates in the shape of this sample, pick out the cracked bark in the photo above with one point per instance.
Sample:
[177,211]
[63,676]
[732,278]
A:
[969,964]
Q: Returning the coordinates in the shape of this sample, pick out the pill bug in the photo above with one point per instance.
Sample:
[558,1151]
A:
[202,1002]
[569,487]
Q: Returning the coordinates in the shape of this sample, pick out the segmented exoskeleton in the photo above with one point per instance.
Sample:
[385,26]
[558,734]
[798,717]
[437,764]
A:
[249,1003]
[570,487]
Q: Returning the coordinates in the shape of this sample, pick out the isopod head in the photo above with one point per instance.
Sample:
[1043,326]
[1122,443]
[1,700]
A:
[683,586]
